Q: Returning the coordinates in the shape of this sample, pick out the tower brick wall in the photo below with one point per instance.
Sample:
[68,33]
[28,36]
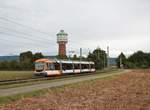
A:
[62,41]
[62,49]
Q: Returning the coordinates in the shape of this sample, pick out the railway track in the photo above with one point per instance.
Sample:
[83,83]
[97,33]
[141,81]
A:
[22,80]
[25,80]
[39,78]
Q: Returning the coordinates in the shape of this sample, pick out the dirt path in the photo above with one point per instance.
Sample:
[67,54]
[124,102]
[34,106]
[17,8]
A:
[13,91]
[129,91]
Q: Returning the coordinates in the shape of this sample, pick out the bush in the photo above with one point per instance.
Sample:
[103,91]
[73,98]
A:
[130,65]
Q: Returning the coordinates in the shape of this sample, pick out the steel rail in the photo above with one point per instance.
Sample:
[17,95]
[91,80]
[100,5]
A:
[25,80]
[41,78]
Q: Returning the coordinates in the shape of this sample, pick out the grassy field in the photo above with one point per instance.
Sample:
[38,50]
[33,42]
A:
[102,72]
[7,99]
[6,75]
[129,91]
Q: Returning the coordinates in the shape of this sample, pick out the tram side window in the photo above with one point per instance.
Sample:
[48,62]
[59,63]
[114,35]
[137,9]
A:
[92,66]
[51,66]
[87,66]
[76,66]
[67,66]
[57,66]
[84,66]
[63,66]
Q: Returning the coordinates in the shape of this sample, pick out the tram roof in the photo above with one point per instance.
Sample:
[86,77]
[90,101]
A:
[75,62]
[63,61]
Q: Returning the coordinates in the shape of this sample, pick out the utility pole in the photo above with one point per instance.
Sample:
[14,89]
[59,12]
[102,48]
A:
[88,54]
[121,62]
[98,57]
[80,58]
[107,56]
[103,60]
[70,54]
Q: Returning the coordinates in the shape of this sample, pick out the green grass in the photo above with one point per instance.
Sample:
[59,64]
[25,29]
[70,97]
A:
[102,72]
[6,75]
[5,100]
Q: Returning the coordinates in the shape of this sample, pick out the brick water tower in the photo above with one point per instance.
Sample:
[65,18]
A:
[62,41]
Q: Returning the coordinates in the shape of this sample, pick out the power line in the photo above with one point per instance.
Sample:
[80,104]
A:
[11,21]
[23,26]
[26,38]
[34,29]
[19,45]
[19,36]
[28,27]
[31,41]
[8,34]
[23,33]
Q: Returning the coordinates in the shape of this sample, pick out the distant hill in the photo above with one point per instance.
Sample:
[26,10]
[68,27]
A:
[112,61]
[9,58]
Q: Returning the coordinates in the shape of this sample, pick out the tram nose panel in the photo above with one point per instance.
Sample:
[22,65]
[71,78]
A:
[41,73]
[53,72]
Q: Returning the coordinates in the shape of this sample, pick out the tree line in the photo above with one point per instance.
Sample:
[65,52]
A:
[26,60]
[138,59]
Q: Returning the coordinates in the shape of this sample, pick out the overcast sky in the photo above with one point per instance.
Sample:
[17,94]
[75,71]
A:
[123,25]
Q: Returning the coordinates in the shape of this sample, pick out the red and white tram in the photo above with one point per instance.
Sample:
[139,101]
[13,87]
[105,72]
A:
[47,67]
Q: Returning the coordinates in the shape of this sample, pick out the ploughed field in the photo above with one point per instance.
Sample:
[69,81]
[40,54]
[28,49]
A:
[129,91]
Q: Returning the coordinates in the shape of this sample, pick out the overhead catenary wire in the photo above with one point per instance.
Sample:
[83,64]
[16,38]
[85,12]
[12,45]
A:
[24,35]
[20,46]
[37,30]
[23,25]
[38,39]
[43,39]
[31,40]
[21,42]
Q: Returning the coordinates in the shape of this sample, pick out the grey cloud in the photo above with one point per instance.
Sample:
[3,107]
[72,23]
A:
[90,23]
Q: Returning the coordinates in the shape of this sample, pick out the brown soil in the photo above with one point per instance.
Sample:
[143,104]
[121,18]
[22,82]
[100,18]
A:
[130,91]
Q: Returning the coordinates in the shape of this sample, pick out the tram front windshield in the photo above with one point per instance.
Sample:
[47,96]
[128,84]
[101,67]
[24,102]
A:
[53,66]
[39,66]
